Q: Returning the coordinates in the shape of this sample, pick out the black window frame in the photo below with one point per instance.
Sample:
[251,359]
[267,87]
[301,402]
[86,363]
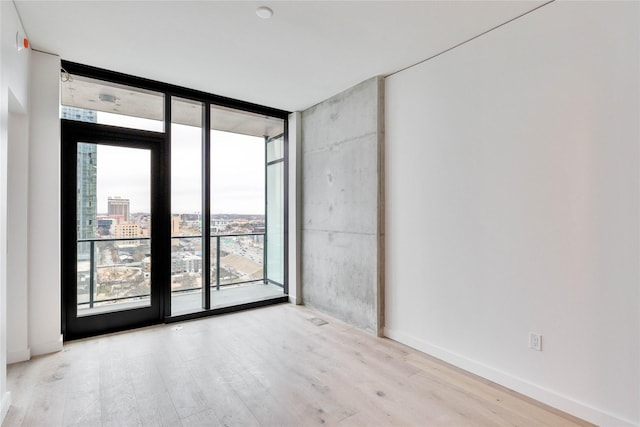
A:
[208,100]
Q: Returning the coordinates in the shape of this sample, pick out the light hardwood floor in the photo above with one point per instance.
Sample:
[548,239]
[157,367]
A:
[271,366]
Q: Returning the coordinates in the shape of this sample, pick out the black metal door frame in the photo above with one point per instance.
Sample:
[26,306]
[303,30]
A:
[78,132]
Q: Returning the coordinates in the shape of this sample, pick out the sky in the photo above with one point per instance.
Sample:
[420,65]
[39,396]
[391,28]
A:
[237,170]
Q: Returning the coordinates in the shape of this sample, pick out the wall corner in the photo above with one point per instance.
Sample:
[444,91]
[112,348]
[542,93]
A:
[294,208]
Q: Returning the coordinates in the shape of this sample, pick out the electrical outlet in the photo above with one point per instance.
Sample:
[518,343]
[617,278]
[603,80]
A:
[535,341]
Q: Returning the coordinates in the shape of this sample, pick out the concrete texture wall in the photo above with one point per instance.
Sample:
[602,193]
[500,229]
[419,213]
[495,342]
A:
[342,140]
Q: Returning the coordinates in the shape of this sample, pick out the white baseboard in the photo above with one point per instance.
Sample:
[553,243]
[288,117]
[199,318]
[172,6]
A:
[18,356]
[534,391]
[6,402]
[294,300]
[46,347]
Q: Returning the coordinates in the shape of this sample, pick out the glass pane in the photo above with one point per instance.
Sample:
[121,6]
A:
[275,149]
[186,206]
[241,259]
[186,275]
[237,182]
[87,202]
[238,161]
[215,280]
[110,103]
[114,223]
[85,288]
[78,114]
[275,223]
[241,277]
[122,272]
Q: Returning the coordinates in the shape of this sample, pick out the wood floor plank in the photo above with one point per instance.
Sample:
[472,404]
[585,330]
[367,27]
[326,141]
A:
[118,406]
[213,375]
[204,418]
[294,381]
[46,406]
[83,399]
[186,395]
[275,366]
[20,382]
[155,405]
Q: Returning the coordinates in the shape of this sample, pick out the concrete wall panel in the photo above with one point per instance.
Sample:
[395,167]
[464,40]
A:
[344,117]
[341,141]
[340,192]
[340,275]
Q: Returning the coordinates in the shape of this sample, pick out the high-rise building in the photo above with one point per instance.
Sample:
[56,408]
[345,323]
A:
[128,229]
[87,202]
[118,208]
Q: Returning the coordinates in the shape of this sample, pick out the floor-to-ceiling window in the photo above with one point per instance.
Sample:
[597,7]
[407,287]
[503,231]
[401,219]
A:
[215,176]
[275,179]
[240,192]
[186,205]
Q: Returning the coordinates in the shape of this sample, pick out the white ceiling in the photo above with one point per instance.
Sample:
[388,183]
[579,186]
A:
[307,52]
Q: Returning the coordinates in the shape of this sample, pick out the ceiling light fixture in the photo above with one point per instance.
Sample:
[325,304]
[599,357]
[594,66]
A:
[107,98]
[264,12]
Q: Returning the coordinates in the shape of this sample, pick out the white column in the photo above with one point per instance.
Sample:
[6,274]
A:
[44,205]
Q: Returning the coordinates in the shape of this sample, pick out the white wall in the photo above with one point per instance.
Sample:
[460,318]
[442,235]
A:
[17,241]
[14,68]
[44,205]
[513,206]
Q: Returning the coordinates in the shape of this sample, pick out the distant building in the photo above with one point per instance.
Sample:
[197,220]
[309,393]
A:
[175,225]
[87,199]
[106,226]
[191,217]
[128,229]
[79,114]
[185,263]
[87,203]
[219,225]
[118,208]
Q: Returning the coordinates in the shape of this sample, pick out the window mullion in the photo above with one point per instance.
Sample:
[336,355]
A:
[206,207]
